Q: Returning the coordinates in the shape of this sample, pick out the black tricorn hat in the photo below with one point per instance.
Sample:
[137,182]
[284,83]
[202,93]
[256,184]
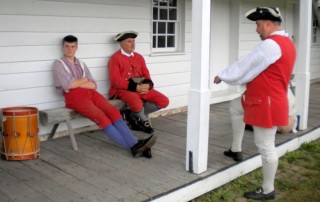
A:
[124,35]
[264,13]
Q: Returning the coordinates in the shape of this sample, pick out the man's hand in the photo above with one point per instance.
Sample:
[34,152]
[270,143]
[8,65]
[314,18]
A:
[143,88]
[83,83]
[89,85]
[78,82]
[217,80]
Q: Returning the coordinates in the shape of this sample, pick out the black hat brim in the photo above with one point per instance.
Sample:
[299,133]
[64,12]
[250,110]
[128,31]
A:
[254,15]
[125,35]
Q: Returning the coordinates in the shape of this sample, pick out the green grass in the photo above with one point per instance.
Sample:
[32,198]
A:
[297,179]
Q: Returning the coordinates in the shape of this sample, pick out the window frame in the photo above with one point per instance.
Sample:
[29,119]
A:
[315,33]
[177,28]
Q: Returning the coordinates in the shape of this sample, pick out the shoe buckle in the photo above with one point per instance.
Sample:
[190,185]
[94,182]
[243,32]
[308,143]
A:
[146,124]
[259,190]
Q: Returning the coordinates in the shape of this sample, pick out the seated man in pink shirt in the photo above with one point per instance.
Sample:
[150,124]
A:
[74,80]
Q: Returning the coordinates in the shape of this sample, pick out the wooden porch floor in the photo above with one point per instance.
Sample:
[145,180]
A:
[101,171]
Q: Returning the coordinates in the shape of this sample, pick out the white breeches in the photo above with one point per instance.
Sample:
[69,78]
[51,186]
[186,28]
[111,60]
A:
[264,137]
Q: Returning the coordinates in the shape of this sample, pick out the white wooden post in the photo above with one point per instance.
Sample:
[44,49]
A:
[199,93]
[302,74]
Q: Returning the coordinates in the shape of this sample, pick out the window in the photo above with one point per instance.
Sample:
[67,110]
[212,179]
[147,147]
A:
[315,37]
[315,31]
[165,25]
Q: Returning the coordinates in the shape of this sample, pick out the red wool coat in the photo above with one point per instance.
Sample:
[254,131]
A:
[265,101]
[122,68]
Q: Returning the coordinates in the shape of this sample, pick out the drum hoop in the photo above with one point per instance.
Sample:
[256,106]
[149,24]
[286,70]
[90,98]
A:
[18,155]
[14,111]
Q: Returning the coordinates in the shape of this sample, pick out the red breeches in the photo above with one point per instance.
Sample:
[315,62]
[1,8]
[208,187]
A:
[91,104]
[135,100]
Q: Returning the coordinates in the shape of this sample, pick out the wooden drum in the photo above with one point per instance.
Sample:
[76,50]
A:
[20,133]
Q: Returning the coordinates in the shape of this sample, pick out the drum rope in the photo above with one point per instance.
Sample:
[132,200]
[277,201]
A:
[28,133]
[31,135]
[15,135]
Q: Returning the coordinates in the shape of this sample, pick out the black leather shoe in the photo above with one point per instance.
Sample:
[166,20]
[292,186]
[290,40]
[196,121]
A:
[145,126]
[133,124]
[248,127]
[237,156]
[259,195]
[147,153]
[142,145]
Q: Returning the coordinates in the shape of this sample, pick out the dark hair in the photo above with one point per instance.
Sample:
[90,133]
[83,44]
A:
[70,39]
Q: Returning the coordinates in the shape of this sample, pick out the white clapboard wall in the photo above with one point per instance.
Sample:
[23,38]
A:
[31,33]
[30,40]
[315,62]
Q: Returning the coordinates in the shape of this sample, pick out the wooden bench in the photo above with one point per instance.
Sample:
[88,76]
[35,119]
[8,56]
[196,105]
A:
[60,115]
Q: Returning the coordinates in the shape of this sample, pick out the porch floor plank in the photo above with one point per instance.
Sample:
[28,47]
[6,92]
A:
[103,171]
[17,190]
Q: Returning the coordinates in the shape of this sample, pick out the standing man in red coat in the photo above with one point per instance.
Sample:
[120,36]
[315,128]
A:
[131,82]
[266,71]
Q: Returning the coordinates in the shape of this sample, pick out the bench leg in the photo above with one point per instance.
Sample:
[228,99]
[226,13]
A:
[53,131]
[72,138]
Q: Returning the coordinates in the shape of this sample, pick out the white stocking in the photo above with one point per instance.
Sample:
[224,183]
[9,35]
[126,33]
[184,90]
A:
[265,141]
[237,124]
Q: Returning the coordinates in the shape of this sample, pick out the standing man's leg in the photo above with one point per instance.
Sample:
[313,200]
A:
[292,124]
[265,141]
[236,112]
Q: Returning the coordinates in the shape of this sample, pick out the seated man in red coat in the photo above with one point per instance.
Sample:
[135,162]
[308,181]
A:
[131,82]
